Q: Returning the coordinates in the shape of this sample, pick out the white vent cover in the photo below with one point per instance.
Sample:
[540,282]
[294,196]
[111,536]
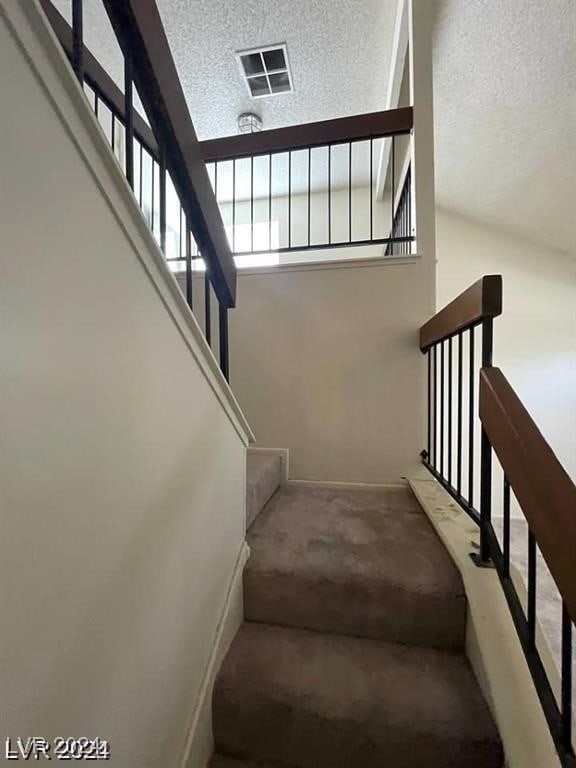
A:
[266,70]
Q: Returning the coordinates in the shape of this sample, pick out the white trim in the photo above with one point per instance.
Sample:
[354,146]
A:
[283,453]
[200,742]
[343,486]
[397,64]
[80,124]
[319,266]
[492,644]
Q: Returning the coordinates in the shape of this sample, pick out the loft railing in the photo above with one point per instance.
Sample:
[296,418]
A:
[305,188]
[402,222]
[461,380]
[162,160]
[312,187]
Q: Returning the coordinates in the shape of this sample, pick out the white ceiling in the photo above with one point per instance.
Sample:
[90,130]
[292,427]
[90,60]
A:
[504,86]
[505,115]
[339,54]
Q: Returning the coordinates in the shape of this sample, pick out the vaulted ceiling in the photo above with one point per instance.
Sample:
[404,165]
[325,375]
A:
[504,86]
[505,115]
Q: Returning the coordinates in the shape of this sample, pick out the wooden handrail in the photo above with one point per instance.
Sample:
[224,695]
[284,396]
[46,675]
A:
[140,33]
[344,129]
[480,301]
[97,77]
[544,490]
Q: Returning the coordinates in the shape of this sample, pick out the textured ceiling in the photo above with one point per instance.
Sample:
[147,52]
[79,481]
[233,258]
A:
[339,54]
[505,115]
[504,86]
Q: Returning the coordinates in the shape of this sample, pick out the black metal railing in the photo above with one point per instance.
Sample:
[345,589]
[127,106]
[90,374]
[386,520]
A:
[311,187]
[162,164]
[476,428]
[401,235]
[455,352]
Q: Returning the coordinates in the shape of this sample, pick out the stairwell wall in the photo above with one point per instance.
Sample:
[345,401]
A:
[122,450]
[325,362]
[535,338]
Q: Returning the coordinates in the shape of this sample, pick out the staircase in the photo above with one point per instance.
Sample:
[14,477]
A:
[352,650]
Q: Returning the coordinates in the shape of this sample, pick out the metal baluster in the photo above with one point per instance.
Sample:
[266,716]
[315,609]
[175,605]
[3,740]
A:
[442,408]
[113,132]
[78,39]
[471,422]
[180,243]
[531,587]
[309,182]
[270,202]
[329,194]
[129,121]
[234,205]
[506,529]
[450,410]
[153,204]
[429,420]
[435,377]
[393,223]
[372,210]
[223,324]
[141,180]
[566,696]
[207,312]
[162,196]
[409,195]
[486,456]
[350,192]
[189,297]
[289,199]
[459,420]
[251,203]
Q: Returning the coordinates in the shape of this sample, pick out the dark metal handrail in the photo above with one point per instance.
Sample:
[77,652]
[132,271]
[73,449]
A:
[392,122]
[544,492]
[333,162]
[170,145]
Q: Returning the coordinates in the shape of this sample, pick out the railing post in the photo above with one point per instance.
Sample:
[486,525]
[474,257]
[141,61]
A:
[486,456]
[129,123]
[78,39]
[223,326]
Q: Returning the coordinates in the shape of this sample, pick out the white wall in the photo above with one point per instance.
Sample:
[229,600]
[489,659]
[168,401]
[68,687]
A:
[122,452]
[535,338]
[325,361]
[340,227]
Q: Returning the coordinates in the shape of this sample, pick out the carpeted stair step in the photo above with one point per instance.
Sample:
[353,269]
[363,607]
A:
[365,563]
[264,475]
[311,700]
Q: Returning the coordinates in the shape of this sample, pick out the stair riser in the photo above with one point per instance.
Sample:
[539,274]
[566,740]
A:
[351,609]
[264,478]
[304,741]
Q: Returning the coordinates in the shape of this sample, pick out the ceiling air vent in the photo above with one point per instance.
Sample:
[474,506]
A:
[266,71]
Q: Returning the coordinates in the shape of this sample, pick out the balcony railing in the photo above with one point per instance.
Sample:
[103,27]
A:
[303,189]
[160,155]
[312,187]
[471,405]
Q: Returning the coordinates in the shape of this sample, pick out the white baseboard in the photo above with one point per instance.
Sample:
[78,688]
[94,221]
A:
[200,742]
[284,454]
[336,485]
